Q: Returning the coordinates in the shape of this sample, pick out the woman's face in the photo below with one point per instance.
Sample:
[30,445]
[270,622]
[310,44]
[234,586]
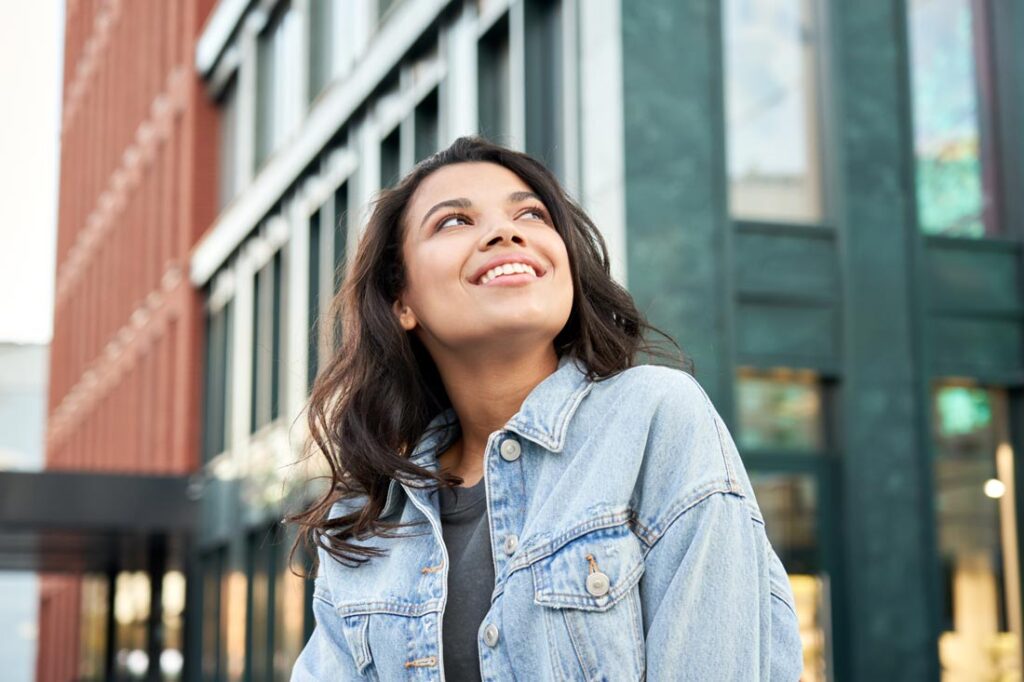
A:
[461,222]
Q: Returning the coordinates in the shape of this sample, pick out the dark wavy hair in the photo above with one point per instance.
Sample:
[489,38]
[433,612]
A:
[374,399]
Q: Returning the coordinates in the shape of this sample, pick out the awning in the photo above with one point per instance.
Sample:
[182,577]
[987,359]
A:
[85,521]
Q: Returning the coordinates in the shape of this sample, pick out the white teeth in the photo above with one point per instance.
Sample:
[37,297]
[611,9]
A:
[507,269]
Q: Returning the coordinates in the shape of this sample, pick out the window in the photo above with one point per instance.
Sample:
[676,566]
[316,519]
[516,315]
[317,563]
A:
[493,85]
[229,178]
[390,158]
[313,301]
[780,410]
[954,174]
[425,124]
[773,110]
[266,348]
[976,513]
[213,658]
[217,377]
[277,103]
[543,68]
[95,607]
[292,621]
[340,234]
[789,503]
[260,631]
[131,615]
[322,38]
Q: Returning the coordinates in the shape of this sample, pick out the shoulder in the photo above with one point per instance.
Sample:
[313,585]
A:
[688,452]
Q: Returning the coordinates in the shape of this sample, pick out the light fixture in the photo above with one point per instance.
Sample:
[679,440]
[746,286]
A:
[995,488]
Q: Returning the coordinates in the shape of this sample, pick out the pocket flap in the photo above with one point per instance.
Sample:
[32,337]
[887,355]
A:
[560,579]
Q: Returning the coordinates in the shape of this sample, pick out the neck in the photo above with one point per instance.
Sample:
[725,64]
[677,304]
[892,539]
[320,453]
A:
[485,394]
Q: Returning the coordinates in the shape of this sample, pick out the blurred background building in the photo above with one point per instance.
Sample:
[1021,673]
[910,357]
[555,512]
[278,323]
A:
[820,200]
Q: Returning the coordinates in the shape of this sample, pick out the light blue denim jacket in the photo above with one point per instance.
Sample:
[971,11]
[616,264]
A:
[626,542]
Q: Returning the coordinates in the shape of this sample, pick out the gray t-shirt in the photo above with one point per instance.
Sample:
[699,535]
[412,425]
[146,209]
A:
[470,577]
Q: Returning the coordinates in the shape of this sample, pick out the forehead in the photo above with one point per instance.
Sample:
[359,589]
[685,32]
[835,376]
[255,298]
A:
[478,181]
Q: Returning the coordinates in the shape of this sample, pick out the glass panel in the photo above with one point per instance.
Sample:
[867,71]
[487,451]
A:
[321,38]
[228,142]
[211,661]
[233,614]
[92,653]
[953,196]
[426,126]
[780,410]
[340,233]
[172,659]
[216,378]
[276,104]
[276,320]
[789,503]
[131,614]
[975,504]
[313,300]
[258,349]
[773,110]
[289,625]
[390,150]
[543,65]
[493,82]
[260,640]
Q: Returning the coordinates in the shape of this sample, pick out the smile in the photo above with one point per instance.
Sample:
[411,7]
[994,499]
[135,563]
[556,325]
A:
[509,273]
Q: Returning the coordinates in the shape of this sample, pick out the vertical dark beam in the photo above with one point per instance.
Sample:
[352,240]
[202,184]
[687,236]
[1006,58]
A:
[155,633]
[111,640]
[675,175]
[890,567]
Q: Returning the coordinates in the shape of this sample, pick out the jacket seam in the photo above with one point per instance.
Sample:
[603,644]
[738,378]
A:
[687,506]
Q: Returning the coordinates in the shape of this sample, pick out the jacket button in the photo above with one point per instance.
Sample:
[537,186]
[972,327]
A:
[597,584]
[491,634]
[510,449]
[511,542]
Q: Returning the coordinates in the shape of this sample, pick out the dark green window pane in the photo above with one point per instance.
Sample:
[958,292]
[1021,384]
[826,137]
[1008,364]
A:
[258,348]
[426,126]
[277,319]
[313,301]
[544,97]
[321,37]
[779,411]
[340,234]
[975,508]
[390,150]
[493,82]
[951,192]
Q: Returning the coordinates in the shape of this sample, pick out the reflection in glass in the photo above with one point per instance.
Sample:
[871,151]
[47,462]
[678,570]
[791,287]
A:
[173,605]
[779,410]
[789,503]
[131,615]
[93,630]
[975,505]
[289,622]
[951,195]
[772,110]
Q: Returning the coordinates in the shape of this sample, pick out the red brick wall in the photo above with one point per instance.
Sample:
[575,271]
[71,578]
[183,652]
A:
[137,188]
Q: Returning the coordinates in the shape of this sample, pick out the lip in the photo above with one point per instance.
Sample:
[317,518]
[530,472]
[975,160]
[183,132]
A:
[508,258]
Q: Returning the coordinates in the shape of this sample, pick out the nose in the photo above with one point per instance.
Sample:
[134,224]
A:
[503,231]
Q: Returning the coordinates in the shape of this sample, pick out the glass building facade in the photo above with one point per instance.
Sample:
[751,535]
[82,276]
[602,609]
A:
[817,199]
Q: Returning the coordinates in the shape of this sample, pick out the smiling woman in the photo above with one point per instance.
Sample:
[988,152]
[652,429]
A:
[572,504]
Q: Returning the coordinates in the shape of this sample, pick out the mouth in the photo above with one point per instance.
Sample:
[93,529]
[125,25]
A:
[509,274]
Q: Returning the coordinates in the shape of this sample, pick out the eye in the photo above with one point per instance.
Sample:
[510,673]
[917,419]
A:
[448,218]
[536,210]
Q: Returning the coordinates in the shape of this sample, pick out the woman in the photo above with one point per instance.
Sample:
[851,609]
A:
[512,497]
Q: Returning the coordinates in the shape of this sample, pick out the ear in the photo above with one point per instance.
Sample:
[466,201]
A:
[405,315]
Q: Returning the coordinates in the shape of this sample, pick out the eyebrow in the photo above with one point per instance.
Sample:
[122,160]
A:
[462,202]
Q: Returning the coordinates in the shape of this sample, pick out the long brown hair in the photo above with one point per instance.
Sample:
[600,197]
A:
[378,393]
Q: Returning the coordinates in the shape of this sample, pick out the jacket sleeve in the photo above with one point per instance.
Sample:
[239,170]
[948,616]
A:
[717,604]
[326,655]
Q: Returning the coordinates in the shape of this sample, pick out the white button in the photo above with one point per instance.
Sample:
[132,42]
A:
[510,449]
[491,634]
[597,584]
[511,542]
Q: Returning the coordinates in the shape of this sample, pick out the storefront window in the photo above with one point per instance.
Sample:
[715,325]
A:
[131,615]
[92,652]
[789,503]
[953,171]
[779,410]
[975,506]
[773,110]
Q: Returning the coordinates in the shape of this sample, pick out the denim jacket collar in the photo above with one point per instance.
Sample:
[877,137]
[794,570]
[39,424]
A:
[543,418]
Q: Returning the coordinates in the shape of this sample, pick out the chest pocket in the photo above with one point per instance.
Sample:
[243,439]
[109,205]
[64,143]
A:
[589,588]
